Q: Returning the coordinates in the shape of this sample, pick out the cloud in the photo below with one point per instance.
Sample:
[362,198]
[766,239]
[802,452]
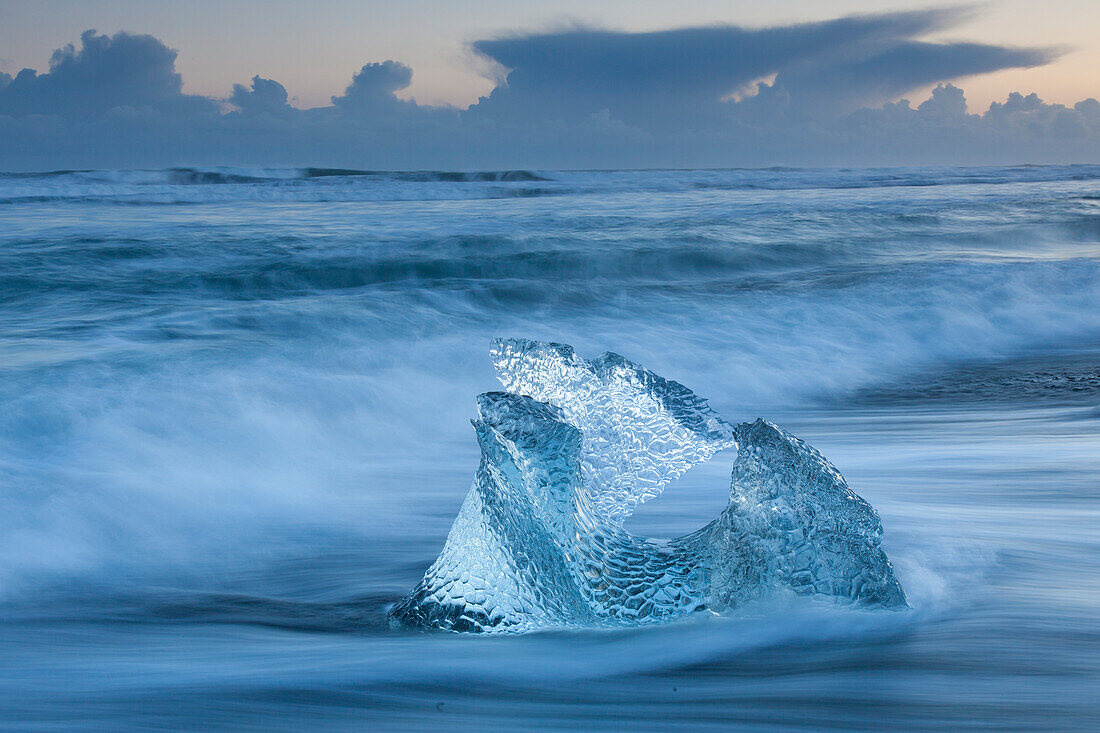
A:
[106,73]
[264,96]
[881,72]
[375,85]
[825,93]
[947,103]
[372,94]
[705,61]
[676,76]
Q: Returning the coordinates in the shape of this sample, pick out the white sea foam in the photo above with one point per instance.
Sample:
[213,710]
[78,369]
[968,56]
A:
[230,426]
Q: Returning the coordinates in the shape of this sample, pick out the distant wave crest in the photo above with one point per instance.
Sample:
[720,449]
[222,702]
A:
[228,184]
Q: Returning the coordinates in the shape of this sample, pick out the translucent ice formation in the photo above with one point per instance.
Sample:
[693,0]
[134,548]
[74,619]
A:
[568,453]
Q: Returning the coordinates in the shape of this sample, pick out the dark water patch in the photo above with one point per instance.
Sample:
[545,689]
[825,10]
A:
[508,176]
[293,264]
[198,177]
[853,179]
[1078,227]
[336,172]
[261,195]
[513,176]
[907,680]
[42,174]
[534,192]
[40,199]
[358,615]
[1051,379]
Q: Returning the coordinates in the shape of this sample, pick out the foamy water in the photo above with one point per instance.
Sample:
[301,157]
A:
[235,428]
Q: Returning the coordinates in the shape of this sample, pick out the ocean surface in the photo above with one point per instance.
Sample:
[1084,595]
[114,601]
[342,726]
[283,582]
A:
[234,428]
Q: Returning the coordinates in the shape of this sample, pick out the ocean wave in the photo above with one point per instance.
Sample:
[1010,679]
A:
[512,176]
[214,185]
[233,434]
[769,302]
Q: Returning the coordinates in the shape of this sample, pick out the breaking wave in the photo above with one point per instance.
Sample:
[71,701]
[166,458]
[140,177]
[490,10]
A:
[225,185]
[235,431]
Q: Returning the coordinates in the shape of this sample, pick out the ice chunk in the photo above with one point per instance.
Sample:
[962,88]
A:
[793,522]
[539,540]
[639,430]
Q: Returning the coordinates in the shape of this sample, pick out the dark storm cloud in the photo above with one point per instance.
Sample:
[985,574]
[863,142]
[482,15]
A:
[706,61]
[682,75]
[808,94]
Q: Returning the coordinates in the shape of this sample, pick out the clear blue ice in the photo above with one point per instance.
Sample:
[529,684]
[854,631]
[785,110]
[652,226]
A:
[567,454]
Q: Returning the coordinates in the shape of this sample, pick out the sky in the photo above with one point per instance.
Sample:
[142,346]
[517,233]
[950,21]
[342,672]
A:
[424,83]
[311,48]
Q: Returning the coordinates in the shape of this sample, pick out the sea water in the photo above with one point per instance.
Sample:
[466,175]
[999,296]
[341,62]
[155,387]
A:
[234,429]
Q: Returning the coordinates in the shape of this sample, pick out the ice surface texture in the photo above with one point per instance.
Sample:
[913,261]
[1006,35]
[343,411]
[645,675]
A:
[568,453]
